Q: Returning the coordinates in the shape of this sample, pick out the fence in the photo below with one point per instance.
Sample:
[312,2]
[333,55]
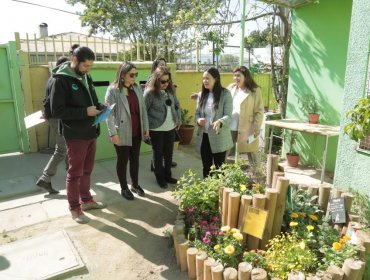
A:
[195,55]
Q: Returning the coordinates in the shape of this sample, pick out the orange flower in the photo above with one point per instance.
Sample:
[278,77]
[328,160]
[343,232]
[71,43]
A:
[294,215]
[313,217]
[302,214]
[346,237]
[337,246]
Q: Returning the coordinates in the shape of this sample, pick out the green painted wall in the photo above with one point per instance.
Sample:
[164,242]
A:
[353,168]
[317,65]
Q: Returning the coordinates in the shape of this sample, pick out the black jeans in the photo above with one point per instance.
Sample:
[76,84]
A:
[125,154]
[208,158]
[162,145]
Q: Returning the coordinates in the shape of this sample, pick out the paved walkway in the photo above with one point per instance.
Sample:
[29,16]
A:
[127,240]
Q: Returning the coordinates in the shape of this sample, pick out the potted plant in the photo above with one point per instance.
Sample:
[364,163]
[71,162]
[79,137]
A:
[292,157]
[359,120]
[308,104]
[186,129]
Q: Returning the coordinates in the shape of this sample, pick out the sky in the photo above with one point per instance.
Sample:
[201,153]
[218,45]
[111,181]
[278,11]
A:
[24,18]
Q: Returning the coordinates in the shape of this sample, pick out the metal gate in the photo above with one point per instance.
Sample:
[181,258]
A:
[13,135]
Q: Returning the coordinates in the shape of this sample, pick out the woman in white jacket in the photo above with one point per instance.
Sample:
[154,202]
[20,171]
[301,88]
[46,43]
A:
[247,113]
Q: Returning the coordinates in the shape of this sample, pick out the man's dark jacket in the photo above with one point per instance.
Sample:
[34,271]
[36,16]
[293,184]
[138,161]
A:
[70,95]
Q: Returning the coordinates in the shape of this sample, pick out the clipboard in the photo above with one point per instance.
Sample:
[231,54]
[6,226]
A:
[104,114]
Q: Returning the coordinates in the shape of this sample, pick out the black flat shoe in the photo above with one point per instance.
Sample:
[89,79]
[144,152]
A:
[126,193]
[138,190]
[151,166]
[46,186]
[162,185]
[171,180]
[173,164]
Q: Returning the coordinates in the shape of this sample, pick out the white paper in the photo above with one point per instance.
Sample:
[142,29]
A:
[250,139]
[34,119]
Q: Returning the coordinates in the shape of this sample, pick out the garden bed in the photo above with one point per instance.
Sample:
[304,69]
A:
[231,227]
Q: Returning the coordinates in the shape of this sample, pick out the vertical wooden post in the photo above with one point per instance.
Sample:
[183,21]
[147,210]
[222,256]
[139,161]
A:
[233,209]
[282,188]
[183,247]
[336,272]
[271,200]
[207,269]
[275,175]
[324,193]
[259,274]
[230,273]
[191,254]
[217,272]
[225,200]
[200,258]
[244,271]
[259,201]
[352,269]
[271,166]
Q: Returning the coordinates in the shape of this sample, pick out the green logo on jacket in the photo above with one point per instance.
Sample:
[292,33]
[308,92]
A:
[75,87]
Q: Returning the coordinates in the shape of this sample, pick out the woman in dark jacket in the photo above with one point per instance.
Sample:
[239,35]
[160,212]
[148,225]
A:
[164,116]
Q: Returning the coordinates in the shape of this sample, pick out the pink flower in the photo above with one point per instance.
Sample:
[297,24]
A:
[215,219]
[203,223]
[206,240]
[208,232]
[220,232]
[191,210]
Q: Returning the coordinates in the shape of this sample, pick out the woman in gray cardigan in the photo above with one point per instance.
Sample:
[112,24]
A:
[127,125]
[213,116]
[164,116]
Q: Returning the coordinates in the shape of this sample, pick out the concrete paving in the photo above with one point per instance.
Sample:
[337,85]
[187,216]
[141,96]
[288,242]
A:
[127,240]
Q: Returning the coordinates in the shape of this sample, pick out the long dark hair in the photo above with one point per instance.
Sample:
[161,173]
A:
[155,82]
[156,63]
[217,88]
[122,70]
[249,83]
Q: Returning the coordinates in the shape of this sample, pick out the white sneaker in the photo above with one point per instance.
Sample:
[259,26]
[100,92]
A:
[79,216]
[93,205]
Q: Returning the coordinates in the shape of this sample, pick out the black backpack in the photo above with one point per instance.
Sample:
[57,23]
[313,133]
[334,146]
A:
[47,106]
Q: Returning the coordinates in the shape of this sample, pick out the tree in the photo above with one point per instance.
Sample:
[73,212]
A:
[166,22]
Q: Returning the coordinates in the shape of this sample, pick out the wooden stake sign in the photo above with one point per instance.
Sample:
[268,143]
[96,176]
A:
[255,222]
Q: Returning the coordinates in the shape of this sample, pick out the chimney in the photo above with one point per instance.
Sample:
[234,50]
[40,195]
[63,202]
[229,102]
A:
[43,30]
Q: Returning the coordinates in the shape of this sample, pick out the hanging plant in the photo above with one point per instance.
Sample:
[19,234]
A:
[359,120]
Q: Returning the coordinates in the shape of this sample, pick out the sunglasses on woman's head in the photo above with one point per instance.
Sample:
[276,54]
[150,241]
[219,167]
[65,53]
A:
[165,82]
[132,75]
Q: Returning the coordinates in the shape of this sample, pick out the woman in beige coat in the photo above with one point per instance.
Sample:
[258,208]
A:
[247,113]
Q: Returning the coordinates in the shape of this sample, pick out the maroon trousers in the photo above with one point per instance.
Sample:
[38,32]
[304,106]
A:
[81,157]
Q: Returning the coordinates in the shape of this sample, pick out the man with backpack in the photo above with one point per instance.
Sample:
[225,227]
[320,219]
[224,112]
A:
[60,147]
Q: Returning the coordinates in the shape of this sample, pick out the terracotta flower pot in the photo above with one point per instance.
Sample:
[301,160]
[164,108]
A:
[292,159]
[313,118]
[186,134]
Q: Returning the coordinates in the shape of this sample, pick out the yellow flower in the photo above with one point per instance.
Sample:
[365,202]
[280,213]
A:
[243,188]
[294,215]
[229,249]
[337,246]
[216,247]
[293,224]
[310,227]
[234,230]
[238,236]
[302,245]
[313,217]
[302,214]
[225,229]
[346,237]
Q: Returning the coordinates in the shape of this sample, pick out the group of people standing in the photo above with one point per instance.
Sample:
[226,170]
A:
[224,116]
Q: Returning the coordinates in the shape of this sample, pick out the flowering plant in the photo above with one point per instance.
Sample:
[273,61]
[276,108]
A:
[204,226]
[256,258]
[197,194]
[337,253]
[231,175]
[287,253]
[228,249]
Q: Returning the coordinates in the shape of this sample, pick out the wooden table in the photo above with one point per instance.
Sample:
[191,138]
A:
[318,129]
